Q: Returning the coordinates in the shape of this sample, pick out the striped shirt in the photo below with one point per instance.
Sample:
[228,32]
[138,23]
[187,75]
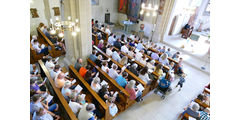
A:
[204,116]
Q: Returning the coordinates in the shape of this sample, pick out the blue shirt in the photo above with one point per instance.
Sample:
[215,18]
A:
[140,46]
[121,81]
[93,57]
[182,80]
[164,83]
[131,44]
[116,56]
[155,56]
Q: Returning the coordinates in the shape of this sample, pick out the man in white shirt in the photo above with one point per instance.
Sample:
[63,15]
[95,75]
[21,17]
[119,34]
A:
[132,36]
[111,39]
[108,30]
[116,56]
[49,64]
[139,55]
[109,51]
[54,72]
[76,107]
[140,46]
[124,48]
[113,72]
[34,37]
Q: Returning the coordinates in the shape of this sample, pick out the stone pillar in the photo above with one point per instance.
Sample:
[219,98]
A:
[163,21]
[81,44]
[47,10]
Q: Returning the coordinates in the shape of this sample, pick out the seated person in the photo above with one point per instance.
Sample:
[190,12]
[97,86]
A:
[102,27]
[100,44]
[116,56]
[140,46]
[151,65]
[36,47]
[42,114]
[159,70]
[74,105]
[49,64]
[107,30]
[124,48]
[34,72]
[105,67]
[109,51]
[164,85]
[205,114]
[54,72]
[66,91]
[58,45]
[155,56]
[130,52]
[144,60]
[78,64]
[175,54]
[122,79]
[34,37]
[111,39]
[95,85]
[124,61]
[99,60]
[164,59]
[87,113]
[193,111]
[89,77]
[168,52]
[37,104]
[134,93]
[143,74]
[132,43]
[93,56]
[113,73]
[133,69]
[39,89]
[117,44]
[112,106]
[60,80]
[139,55]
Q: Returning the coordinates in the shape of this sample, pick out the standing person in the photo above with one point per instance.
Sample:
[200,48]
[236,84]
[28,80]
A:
[107,30]
[96,24]
[181,81]
[134,93]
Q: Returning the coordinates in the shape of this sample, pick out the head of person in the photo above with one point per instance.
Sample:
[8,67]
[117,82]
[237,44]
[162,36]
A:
[41,25]
[102,25]
[81,99]
[125,74]
[159,48]
[104,88]
[114,66]
[36,98]
[159,67]
[126,44]
[131,84]
[178,53]
[207,110]
[123,36]
[79,60]
[35,41]
[180,59]
[124,59]
[61,75]
[92,20]
[134,66]
[200,97]
[88,75]
[40,112]
[67,84]
[164,47]
[169,49]
[119,52]
[88,67]
[99,57]
[101,42]
[142,51]
[111,34]
[164,56]
[73,96]
[90,107]
[172,64]
[144,57]
[96,21]
[57,67]
[118,40]
[96,80]
[114,36]
[108,27]
[104,63]
[48,29]
[94,52]
[144,70]
[135,36]
[195,107]
[110,47]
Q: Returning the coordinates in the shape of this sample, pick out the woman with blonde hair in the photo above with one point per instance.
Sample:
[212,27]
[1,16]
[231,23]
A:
[133,91]
[164,59]
[159,70]
[95,85]
[124,60]
[100,44]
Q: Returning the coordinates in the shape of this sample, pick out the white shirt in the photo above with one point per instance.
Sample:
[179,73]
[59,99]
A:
[163,62]
[84,114]
[116,56]
[75,107]
[138,56]
[33,42]
[113,73]
[108,31]
[130,53]
[36,47]
[109,52]
[97,88]
[132,37]
[124,49]
[53,74]
[111,40]
[104,68]
[150,66]
[49,64]
[145,77]
[65,91]
[144,62]
[140,46]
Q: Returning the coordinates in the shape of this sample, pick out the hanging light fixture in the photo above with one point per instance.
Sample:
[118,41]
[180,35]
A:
[60,26]
[151,8]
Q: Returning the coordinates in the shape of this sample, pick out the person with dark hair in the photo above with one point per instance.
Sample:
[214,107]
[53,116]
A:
[88,77]
[54,72]
[103,92]
[175,55]
[159,70]
[122,79]
[78,64]
[124,48]
[36,87]
[109,50]
[181,81]
[144,75]
[169,52]
[132,43]
[83,70]
[105,46]
[87,114]
[130,52]
[99,60]
[105,67]
[96,24]
[111,39]
[93,56]
[102,27]
[92,22]
[118,44]
[133,69]
[116,56]
[123,37]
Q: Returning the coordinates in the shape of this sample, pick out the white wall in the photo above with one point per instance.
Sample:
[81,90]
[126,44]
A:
[39,5]
[98,11]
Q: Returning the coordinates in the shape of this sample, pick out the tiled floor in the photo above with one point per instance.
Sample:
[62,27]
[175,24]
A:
[154,108]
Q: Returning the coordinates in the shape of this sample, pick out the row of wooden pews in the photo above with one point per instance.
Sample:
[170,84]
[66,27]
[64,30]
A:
[66,112]
[104,34]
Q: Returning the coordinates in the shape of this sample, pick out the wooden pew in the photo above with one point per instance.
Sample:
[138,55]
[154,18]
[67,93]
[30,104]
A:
[186,116]
[91,96]
[113,86]
[44,40]
[66,112]
[140,66]
[34,56]
[204,105]
[206,90]
[131,76]
[94,38]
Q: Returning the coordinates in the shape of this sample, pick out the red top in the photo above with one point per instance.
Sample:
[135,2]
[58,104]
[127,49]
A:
[82,71]
[131,92]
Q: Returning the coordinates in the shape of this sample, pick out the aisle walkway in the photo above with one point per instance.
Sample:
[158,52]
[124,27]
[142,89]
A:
[154,108]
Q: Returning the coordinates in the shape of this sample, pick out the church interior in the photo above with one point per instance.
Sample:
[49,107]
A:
[120,59]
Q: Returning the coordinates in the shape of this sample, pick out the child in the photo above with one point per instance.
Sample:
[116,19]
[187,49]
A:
[181,81]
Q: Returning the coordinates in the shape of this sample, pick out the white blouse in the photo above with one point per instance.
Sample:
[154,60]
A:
[113,73]
[145,77]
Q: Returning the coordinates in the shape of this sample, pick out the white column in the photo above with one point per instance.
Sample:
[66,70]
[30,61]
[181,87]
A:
[47,10]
